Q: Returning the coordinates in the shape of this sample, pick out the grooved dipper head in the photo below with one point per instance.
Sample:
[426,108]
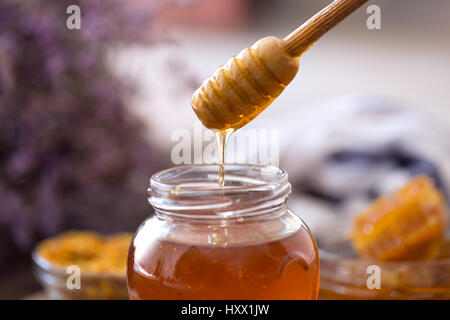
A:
[242,88]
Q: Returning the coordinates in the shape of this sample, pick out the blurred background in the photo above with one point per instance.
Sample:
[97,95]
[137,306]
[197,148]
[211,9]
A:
[86,116]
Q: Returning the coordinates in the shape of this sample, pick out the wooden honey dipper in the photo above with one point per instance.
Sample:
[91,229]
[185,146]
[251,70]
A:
[248,83]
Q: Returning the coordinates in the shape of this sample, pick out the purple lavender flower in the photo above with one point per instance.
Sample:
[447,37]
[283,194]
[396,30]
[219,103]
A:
[71,156]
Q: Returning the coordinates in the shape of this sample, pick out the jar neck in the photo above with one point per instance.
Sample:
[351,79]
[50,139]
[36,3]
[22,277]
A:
[192,193]
[213,219]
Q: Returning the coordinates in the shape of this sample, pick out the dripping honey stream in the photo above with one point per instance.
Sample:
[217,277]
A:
[222,137]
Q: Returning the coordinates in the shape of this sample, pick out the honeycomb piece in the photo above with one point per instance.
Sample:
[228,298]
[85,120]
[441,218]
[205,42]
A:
[445,251]
[408,225]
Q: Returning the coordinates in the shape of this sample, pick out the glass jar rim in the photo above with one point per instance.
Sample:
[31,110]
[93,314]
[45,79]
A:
[194,191]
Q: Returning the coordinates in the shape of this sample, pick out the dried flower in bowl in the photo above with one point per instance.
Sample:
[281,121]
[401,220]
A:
[102,261]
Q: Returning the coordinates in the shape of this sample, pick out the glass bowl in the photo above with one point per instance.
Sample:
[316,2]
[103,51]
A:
[93,285]
[345,276]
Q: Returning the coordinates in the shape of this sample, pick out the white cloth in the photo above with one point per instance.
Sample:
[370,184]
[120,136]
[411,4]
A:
[310,134]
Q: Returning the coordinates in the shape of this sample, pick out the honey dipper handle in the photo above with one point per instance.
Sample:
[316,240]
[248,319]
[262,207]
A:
[307,34]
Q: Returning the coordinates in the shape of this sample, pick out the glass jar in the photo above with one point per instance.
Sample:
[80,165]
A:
[238,241]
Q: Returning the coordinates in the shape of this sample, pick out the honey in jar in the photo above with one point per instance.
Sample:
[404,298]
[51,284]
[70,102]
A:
[235,241]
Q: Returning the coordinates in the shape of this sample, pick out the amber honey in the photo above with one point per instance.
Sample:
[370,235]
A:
[222,137]
[287,268]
